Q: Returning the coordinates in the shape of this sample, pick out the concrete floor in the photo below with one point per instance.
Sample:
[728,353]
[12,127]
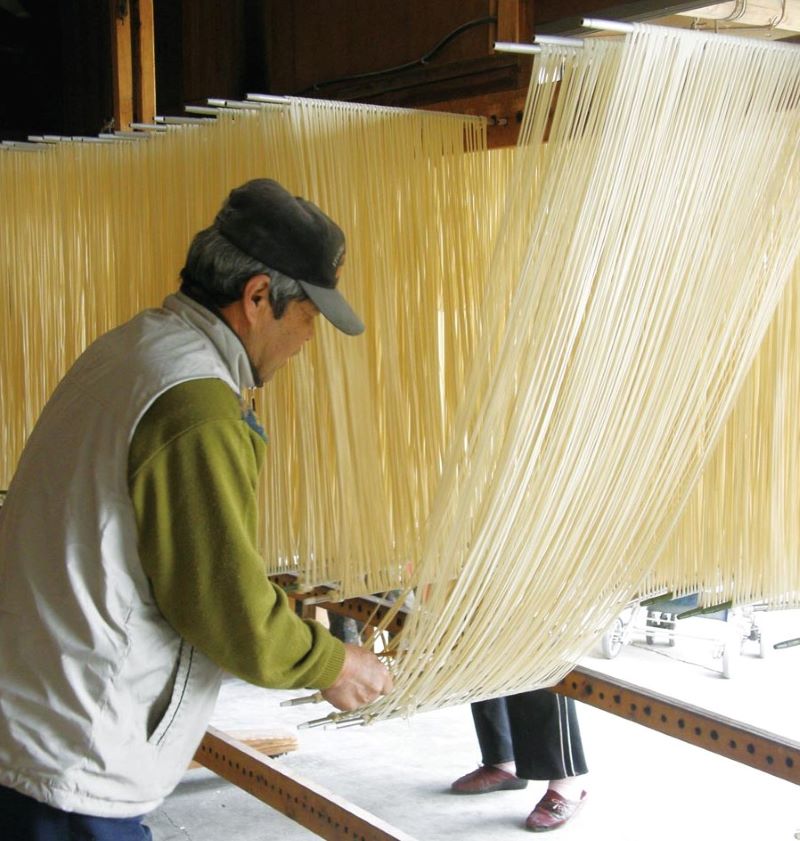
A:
[643,786]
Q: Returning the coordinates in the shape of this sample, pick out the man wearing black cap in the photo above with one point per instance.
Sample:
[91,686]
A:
[130,579]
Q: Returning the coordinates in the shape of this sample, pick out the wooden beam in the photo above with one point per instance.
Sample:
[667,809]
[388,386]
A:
[133,62]
[455,80]
[735,740]
[368,609]
[269,743]
[761,750]
[503,110]
[311,805]
[122,63]
[144,62]
[563,17]
[332,817]
[703,728]
[514,21]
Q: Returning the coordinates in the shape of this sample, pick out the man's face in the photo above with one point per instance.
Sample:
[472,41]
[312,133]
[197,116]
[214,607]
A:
[272,342]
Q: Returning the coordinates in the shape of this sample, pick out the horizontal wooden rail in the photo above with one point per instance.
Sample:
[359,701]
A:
[311,805]
[332,817]
[733,739]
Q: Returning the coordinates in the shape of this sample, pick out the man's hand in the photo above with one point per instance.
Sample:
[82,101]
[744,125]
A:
[362,679]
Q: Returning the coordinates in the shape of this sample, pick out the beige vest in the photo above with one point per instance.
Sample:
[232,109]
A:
[102,704]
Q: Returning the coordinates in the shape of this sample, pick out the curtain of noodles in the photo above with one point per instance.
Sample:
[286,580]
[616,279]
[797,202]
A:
[356,460]
[92,232]
[89,234]
[556,336]
[661,239]
[739,537]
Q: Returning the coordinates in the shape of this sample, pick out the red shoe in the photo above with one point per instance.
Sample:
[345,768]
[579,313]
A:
[485,779]
[553,811]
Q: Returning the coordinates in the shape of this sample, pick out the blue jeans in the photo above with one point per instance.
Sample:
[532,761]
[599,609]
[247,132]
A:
[25,819]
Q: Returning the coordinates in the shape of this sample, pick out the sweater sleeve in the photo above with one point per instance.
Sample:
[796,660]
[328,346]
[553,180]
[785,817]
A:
[193,470]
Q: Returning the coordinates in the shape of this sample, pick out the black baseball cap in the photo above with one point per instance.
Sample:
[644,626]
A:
[292,236]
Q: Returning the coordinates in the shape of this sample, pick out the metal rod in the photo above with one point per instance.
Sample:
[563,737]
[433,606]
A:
[21,146]
[202,109]
[261,99]
[315,722]
[232,103]
[701,611]
[348,722]
[183,121]
[661,597]
[305,699]
[268,99]
[126,135]
[607,25]
[558,41]
[510,47]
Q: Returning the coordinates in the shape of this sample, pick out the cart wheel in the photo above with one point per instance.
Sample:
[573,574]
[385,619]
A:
[671,628]
[611,641]
[652,621]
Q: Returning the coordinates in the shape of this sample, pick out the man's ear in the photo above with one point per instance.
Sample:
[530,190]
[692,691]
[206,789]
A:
[255,295]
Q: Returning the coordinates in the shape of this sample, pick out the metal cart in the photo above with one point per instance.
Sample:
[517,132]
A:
[659,621]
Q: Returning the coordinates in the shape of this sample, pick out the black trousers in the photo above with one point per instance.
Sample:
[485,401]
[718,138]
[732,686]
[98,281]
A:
[538,730]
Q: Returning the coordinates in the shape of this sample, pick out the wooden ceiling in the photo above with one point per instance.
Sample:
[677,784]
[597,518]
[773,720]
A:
[65,67]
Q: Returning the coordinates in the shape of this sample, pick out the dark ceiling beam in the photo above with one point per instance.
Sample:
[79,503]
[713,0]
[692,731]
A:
[564,18]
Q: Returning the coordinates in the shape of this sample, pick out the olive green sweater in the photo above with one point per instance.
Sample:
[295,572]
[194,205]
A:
[192,473]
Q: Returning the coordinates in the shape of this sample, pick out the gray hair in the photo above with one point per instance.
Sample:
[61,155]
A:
[216,272]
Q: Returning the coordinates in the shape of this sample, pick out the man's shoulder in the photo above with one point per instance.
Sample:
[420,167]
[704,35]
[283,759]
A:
[196,401]
[189,406]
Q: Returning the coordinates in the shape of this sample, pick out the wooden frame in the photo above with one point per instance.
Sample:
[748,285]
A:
[332,817]
[732,739]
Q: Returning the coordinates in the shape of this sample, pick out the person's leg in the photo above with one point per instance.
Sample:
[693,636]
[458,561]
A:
[547,746]
[89,828]
[24,819]
[545,735]
[497,752]
[493,731]
[344,628]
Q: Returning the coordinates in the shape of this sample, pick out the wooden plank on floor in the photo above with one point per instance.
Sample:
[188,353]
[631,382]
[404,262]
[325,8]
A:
[314,807]
[271,743]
